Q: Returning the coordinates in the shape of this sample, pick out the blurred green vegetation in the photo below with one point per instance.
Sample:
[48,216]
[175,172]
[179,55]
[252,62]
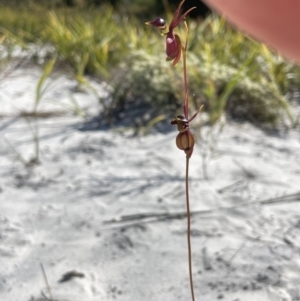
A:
[139,8]
[228,72]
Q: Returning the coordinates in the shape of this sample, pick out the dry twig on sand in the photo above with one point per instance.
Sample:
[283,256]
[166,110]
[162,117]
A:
[155,217]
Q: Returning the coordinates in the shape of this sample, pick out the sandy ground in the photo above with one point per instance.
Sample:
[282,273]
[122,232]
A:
[111,205]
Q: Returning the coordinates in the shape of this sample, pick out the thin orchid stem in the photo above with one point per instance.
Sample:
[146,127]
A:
[186,89]
[187,35]
[189,226]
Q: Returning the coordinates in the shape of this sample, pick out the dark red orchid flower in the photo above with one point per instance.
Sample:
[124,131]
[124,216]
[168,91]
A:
[173,42]
[185,139]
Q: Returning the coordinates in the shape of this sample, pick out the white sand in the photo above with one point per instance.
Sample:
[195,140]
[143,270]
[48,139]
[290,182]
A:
[68,213]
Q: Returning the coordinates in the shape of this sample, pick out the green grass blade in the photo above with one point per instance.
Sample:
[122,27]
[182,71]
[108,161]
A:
[39,88]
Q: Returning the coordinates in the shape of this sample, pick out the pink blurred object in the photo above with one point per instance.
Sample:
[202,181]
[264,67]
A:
[274,22]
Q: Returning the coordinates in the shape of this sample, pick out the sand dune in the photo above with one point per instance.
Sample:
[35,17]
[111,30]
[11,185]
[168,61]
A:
[111,206]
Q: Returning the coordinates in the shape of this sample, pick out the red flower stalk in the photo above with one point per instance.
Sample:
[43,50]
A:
[174,45]
[185,140]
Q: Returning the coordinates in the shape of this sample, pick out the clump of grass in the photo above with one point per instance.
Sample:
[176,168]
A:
[145,79]
[25,24]
[87,45]
[260,77]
